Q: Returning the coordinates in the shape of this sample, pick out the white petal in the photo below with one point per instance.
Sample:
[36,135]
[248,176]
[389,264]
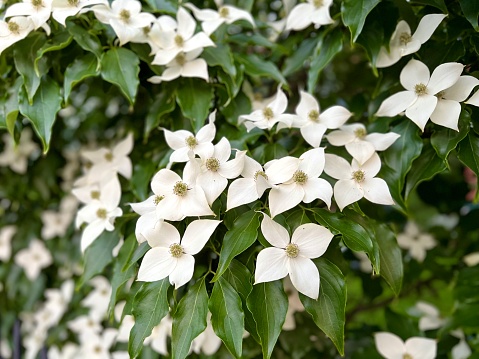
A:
[337,167]
[347,192]
[198,41]
[313,133]
[176,139]
[389,345]
[423,348]
[274,233]
[271,265]
[421,110]
[250,167]
[145,223]
[376,190]
[197,234]
[124,147]
[360,150]
[340,137]
[427,26]
[280,103]
[335,117]
[233,168]
[317,188]
[371,167]
[163,181]
[235,14]
[144,207]
[415,72]
[210,27]
[170,208]
[162,235]
[447,114]
[196,68]
[91,232]
[444,76]
[197,204]
[284,197]
[305,276]
[212,184]
[312,162]
[306,104]
[461,89]
[386,59]
[395,104]
[186,23]
[241,191]
[206,133]
[382,141]
[156,264]
[282,170]
[183,272]
[222,150]
[299,17]
[474,100]
[312,239]
[110,193]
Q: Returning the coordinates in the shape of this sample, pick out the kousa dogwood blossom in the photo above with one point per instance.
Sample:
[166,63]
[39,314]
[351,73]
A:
[99,298]
[184,65]
[15,155]
[256,180]
[125,17]
[158,337]
[390,346]
[85,324]
[415,242]
[419,100]
[6,235]
[270,115]
[58,300]
[148,217]
[304,185]
[126,323]
[461,350]
[33,258]
[356,181]
[312,12]
[56,223]
[471,259]
[13,30]
[180,40]
[313,123]
[37,10]
[292,257]
[211,19]
[402,43]
[217,168]
[171,256]
[68,351]
[97,346]
[430,316]
[359,143]
[62,9]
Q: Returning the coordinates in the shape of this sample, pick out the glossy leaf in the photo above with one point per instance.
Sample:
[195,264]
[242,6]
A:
[10,108]
[354,13]
[162,105]
[444,140]
[220,56]
[77,71]
[85,39]
[150,306]
[55,43]
[439,4]
[471,12]
[121,67]
[227,316]
[195,98]
[468,152]
[329,310]
[189,319]
[268,303]
[255,66]
[237,240]
[43,110]
[298,57]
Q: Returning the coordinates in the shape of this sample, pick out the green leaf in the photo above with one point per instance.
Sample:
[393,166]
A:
[150,306]
[424,168]
[354,235]
[227,316]
[329,311]
[220,56]
[268,303]
[43,111]
[189,319]
[25,53]
[298,58]
[444,140]
[163,104]
[354,13]
[86,40]
[195,99]
[328,46]
[468,152]
[57,42]
[237,240]
[391,257]
[168,6]
[439,4]
[471,12]
[10,107]
[121,67]
[98,255]
[78,70]
[139,253]
[255,66]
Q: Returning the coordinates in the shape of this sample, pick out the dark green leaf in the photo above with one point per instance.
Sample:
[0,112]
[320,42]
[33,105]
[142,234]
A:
[468,152]
[227,316]
[220,56]
[471,12]
[139,253]
[238,239]
[80,69]
[85,39]
[298,58]
[354,13]
[195,99]
[329,310]
[328,46]
[268,303]
[150,306]
[57,42]
[444,140]
[189,319]
[255,66]
[436,3]
[163,104]
[121,67]
[168,6]
[10,107]
[43,111]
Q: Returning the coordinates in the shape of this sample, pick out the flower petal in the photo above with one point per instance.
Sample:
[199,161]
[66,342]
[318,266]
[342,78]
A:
[274,232]
[271,265]
[346,191]
[427,26]
[305,276]
[197,234]
[444,76]
[421,110]
[382,141]
[282,170]
[183,271]
[197,204]
[360,150]
[337,167]
[306,104]
[415,72]
[447,114]
[241,191]
[313,133]
[212,184]
[376,190]
[284,197]
[389,345]
[195,68]
[423,348]
[91,232]
[162,235]
[461,89]
[395,104]
[312,162]
[232,169]
[163,181]
[145,223]
[299,17]
[156,264]
[317,188]
[312,239]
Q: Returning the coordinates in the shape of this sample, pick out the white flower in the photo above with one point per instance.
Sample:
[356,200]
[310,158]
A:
[56,223]
[304,185]
[159,334]
[85,325]
[359,143]
[16,156]
[294,304]
[182,198]
[38,10]
[267,117]
[207,342]
[96,346]
[6,234]
[127,323]
[14,30]
[471,259]
[216,169]
[402,43]
[68,351]
[62,9]
[356,181]
[313,12]
[99,298]
[461,350]
[390,346]
[211,19]
[419,100]
[312,123]
[256,180]
[181,39]
[58,301]
[170,256]
[184,65]
[415,242]
[148,217]
[33,258]
[430,316]
[294,258]
[186,145]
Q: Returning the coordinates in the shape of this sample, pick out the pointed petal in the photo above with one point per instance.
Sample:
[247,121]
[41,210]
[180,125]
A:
[144,207]
[210,27]
[335,117]
[415,72]
[250,167]
[386,59]
[280,103]
[376,190]
[206,133]
[340,137]
[241,191]
[145,223]
[271,265]
[427,26]
[444,76]
[282,170]
[274,232]
[196,205]
[306,104]
[222,150]
[299,17]
[163,181]
[186,23]
[312,162]
[232,169]
[177,139]
[124,147]
[474,100]
[360,150]
[198,41]
[317,188]
[213,184]
[423,348]
[396,104]
[304,275]
[461,89]
[170,208]
[197,234]
[382,141]
[313,133]
[346,191]
[196,68]
[238,14]
[447,114]
[284,197]
[389,345]
[183,271]
[91,232]
[421,110]
[337,167]
[156,264]
[312,240]
[162,235]
[371,167]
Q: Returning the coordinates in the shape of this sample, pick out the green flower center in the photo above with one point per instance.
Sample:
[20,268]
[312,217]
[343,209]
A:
[180,59]
[440,95]
[97,349]
[109,156]
[260,173]
[191,142]
[313,115]
[146,30]
[180,189]
[73,2]
[176,250]
[405,38]
[360,133]
[212,164]
[407,356]
[268,113]
[13,27]
[125,15]
[37,3]
[157,199]
[300,177]
[292,250]
[95,194]
[101,213]
[224,12]
[358,176]
[318,3]
[420,89]
[179,41]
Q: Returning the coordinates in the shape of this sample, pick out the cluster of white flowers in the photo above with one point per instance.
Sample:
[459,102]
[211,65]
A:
[16,155]
[100,190]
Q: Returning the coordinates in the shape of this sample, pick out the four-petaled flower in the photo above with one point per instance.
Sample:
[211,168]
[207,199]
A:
[415,242]
[312,12]
[390,346]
